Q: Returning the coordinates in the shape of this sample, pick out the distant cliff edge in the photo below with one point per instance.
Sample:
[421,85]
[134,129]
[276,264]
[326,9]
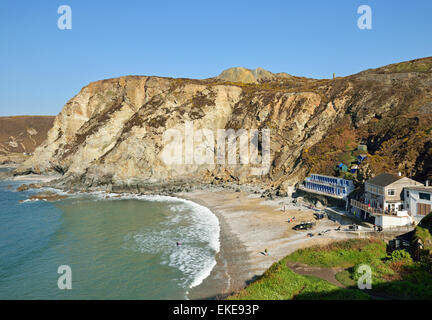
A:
[20,135]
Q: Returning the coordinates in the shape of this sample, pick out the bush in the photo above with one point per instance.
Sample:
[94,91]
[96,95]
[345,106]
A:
[401,255]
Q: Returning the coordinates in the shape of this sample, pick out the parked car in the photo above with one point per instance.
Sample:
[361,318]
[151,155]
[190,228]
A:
[319,216]
[304,226]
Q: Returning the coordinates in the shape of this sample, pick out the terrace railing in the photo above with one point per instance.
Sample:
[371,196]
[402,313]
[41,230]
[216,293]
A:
[365,207]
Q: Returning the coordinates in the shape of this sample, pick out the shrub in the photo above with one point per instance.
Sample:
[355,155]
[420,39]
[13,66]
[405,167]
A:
[401,256]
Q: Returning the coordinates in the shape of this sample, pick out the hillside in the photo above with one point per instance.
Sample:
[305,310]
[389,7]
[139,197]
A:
[390,112]
[22,134]
[335,276]
[109,136]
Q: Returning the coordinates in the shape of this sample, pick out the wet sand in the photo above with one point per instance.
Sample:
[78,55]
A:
[249,225]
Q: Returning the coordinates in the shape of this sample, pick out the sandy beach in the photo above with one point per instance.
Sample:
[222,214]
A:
[249,225]
[36,177]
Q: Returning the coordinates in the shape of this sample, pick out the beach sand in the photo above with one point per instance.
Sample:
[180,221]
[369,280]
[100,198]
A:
[249,225]
[36,177]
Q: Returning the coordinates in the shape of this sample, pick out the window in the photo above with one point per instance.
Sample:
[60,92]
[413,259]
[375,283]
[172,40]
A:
[424,196]
[390,192]
[407,193]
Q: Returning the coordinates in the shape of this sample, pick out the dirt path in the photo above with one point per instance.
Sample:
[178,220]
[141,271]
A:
[327,274]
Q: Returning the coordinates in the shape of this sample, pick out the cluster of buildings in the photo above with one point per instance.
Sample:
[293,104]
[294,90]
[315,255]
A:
[388,200]
[354,168]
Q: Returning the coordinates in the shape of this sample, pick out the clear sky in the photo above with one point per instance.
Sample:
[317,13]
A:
[41,66]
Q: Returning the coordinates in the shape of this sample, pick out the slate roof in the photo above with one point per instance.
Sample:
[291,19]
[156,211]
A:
[384,179]
[420,188]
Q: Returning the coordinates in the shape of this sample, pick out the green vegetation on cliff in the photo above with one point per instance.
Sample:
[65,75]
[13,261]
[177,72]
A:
[423,234]
[394,275]
[281,283]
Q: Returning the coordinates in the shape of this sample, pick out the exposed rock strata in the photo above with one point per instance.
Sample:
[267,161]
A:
[110,135]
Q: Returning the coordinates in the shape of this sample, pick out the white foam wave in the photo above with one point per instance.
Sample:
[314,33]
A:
[195,257]
[195,261]
[29,200]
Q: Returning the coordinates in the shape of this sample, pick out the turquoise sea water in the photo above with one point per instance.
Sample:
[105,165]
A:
[117,247]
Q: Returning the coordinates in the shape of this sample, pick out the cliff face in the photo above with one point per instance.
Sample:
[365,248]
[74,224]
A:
[112,132]
[22,134]
[259,75]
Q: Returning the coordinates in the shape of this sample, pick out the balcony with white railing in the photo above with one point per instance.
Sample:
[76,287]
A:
[376,210]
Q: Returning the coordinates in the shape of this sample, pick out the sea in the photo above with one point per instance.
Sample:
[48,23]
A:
[113,246]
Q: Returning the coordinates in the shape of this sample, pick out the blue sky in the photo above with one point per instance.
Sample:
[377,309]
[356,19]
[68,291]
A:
[41,66]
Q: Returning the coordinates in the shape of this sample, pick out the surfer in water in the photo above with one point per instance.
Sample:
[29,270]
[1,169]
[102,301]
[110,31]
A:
[178,244]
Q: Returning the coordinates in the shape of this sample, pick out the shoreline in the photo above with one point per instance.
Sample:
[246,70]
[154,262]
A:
[249,225]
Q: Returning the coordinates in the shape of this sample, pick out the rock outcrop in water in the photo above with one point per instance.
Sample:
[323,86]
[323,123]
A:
[110,135]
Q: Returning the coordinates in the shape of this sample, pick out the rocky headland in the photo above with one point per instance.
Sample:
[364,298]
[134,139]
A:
[110,135]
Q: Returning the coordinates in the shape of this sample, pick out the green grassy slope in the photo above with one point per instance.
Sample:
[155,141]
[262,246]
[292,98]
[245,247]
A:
[394,275]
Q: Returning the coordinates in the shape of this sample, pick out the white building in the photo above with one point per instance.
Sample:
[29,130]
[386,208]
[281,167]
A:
[418,201]
[328,186]
[383,201]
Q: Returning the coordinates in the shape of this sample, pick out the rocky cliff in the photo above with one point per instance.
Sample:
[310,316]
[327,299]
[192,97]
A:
[111,134]
[20,135]
[244,75]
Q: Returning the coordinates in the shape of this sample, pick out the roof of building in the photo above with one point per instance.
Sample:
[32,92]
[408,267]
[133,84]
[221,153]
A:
[420,188]
[384,179]
[323,175]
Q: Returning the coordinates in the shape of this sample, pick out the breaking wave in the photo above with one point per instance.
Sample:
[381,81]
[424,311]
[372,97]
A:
[193,225]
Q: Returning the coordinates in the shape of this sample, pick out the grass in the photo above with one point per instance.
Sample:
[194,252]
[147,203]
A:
[394,276]
[423,232]
[281,283]
[344,277]
[412,67]
[341,254]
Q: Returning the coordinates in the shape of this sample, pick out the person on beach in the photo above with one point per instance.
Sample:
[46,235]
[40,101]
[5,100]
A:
[266,252]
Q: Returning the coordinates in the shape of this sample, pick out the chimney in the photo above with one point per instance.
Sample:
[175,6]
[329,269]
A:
[427,183]
[400,174]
